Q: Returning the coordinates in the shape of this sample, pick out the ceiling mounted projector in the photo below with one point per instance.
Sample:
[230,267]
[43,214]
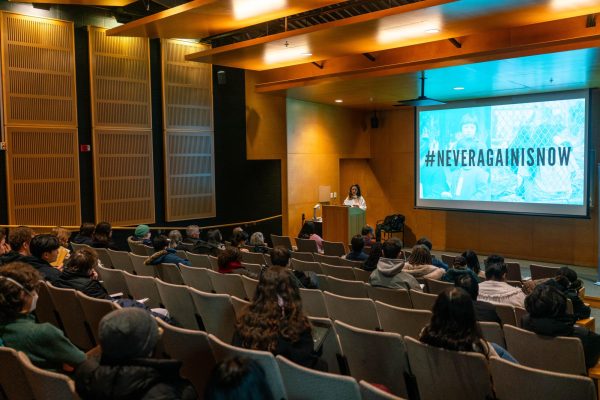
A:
[422,100]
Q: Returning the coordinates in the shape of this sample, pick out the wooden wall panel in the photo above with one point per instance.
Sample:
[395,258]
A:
[188,133]
[122,134]
[40,121]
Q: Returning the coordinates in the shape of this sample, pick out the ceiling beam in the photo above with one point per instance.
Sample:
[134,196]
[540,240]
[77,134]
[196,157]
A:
[547,37]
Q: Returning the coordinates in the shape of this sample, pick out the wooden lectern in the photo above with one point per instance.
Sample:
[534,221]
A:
[340,223]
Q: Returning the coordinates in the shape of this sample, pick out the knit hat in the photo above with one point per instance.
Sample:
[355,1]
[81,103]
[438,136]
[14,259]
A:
[141,230]
[127,333]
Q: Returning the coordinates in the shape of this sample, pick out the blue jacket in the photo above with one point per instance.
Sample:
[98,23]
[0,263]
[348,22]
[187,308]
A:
[166,256]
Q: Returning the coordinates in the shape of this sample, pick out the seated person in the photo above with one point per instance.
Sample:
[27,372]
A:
[368,235]
[308,232]
[4,246]
[142,234]
[213,245]
[473,263]
[453,326]
[371,262]
[125,369]
[389,272]
[19,240]
[63,236]
[459,268]
[281,256]
[192,234]
[434,261]
[44,344]
[230,262]
[357,253]
[547,315]
[103,237]
[238,378]
[165,254]
[496,290]
[239,240]
[257,241]
[484,311]
[419,264]
[274,320]
[79,274]
[44,250]
[85,235]
[176,240]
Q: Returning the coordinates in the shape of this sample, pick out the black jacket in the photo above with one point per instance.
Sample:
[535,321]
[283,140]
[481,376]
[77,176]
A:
[565,326]
[580,310]
[140,379]
[49,273]
[83,283]
[11,256]
[80,239]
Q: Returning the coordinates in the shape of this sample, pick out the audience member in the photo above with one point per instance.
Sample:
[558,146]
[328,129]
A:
[473,263]
[434,261]
[164,254]
[230,262]
[213,246]
[85,234]
[496,290]
[79,274]
[238,379]
[239,240]
[547,315]
[453,326]
[63,236]
[389,272]
[493,259]
[103,236]
[371,263]
[192,234]
[459,268]
[368,235]
[308,232]
[44,344]
[142,234]
[484,311]
[44,250]
[419,264]
[280,256]
[125,369]
[19,240]
[176,240]
[357,254]
[4,246]
[570,285]
[274,320]
[257,241]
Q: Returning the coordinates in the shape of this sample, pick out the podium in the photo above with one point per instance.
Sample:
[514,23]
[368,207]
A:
[340,223]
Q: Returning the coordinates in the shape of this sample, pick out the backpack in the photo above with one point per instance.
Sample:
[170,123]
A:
[393,223]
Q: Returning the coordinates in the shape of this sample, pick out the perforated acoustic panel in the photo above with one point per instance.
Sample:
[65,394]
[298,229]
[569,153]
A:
[40,121]
[124,174]
[189,152]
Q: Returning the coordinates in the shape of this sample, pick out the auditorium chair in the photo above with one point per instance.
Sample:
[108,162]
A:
[338,272]
[79,246]
[71,315]
[558,354]
[542,271]
[313,303]
[196,277]
[302,256]
[403,321]
[446,374]
[284,241]
[356,312]
[178,302]
[331,260]
[347,288]
[238,305]
[46,384]
[306,266]
[331,347]
[169,273]
[192,349]
[350,263]
[93,311]
[13,382]
[520,312]
[370,392]
[139,267]
[361,275]
[199,260]
[422,301]
[506,313]
[249,286]
[253,268]
[436,287]
[518,382]
[393,297]
[143,288]
[448,259]
[216,312]
[45,310]
[307,245]
[230,284]
[337,249]
[224,351]
[514,272]
[120,260]
[492,332]
[377,357]
[323,386]
[113,280]
[104,257]
[252,258]
[214,263]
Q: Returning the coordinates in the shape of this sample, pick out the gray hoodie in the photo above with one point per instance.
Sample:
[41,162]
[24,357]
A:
[389,274]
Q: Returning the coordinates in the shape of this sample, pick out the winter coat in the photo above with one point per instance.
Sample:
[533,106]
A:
[166,256]
[83,283]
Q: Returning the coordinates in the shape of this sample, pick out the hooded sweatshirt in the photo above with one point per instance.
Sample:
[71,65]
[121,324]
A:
[501,293]
[389,274]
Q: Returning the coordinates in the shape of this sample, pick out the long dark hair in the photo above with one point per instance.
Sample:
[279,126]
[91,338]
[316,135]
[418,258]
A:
[275,311]
[358,194]
[374,256]
[472,261]
[453,325]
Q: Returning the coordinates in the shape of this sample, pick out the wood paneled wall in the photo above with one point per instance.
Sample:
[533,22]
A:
[122,128]
[188,133]
[40,120]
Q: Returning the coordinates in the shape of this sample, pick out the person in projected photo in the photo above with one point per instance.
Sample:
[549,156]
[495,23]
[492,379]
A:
[433,179]
[355,198]
[469,182]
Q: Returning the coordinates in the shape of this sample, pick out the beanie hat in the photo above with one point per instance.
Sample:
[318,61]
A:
[141,230]
[127,333]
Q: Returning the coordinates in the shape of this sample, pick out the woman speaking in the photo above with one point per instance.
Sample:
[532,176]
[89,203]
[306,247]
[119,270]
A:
[355,198]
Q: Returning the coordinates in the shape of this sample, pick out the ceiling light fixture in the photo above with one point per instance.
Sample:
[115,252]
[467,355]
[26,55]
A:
[432,30]
[306,53]
[243,9]
[339,100]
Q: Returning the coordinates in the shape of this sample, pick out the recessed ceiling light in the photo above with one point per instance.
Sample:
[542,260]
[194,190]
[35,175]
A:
[432,30]
[339,100]
[459,88]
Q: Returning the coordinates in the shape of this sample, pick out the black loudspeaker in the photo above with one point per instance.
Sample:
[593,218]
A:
[221,77]
[374,121]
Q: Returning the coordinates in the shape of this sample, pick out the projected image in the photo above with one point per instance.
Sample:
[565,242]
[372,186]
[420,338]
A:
[531,152]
